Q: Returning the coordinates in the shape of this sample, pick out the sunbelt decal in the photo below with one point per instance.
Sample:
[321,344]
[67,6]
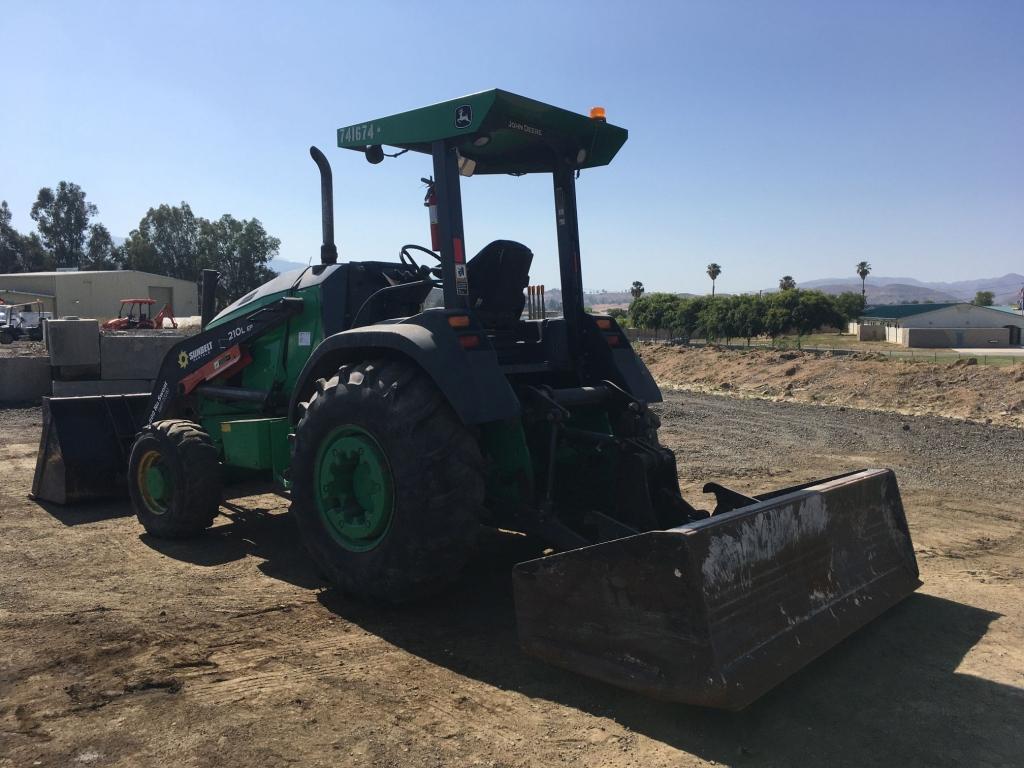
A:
[184,358]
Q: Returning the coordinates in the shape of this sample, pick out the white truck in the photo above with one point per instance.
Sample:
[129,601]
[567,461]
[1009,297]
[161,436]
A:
[20,320]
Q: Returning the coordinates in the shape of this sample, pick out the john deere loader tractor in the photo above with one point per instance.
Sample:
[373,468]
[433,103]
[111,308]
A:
[399,431]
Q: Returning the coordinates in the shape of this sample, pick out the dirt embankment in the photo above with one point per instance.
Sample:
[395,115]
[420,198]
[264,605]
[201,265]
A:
[982,393]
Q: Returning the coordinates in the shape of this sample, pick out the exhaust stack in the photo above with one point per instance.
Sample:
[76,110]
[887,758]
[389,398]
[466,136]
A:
[208,296]
[328,251]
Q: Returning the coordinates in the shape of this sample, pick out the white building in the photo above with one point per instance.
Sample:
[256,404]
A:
[98,294]
[960,325]
[940,325]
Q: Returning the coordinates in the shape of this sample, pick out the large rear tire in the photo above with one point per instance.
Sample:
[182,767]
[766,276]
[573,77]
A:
[387,482]
[174,479]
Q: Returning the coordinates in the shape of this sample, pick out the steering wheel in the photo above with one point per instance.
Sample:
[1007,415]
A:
[406,258]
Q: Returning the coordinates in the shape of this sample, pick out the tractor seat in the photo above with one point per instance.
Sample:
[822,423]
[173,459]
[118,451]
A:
[498,275]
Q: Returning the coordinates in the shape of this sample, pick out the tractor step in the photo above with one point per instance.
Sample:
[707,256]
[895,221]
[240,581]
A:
[717,612]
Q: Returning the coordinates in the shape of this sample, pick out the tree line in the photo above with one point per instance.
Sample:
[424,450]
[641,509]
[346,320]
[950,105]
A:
[170,240]
[724,318]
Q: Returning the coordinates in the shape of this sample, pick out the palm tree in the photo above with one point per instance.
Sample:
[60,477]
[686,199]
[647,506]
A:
[637,290]
[863,270]
[714,270]
[787,283]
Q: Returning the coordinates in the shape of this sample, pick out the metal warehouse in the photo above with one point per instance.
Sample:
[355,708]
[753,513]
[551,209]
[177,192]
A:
[97,294]
[940,325]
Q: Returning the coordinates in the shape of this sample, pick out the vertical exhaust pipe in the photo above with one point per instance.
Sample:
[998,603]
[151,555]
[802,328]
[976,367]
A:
[328,251]
[208,295]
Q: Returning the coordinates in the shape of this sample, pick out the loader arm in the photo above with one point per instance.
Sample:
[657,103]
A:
[211,354]
[84,446]
[166,313]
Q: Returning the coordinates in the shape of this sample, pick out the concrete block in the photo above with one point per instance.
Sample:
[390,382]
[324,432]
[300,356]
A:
[134,355]
[24,379]
[73,342]
[869,332]
[76,372]
[121,387]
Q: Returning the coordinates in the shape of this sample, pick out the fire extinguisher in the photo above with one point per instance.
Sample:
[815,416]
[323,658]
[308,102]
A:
[430,201]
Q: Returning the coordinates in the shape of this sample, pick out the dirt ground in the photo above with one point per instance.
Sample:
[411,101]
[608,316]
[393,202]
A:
[23,348]
[990,394]
[120,650]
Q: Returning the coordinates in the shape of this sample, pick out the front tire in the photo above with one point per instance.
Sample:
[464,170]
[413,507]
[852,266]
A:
[387,482]
[174,479]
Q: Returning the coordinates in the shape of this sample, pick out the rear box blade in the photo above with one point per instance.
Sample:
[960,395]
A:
[718,612]
[84,445]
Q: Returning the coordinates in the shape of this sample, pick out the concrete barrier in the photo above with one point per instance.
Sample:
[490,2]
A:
[134,355]
[870,332]
[73,342]
[118,387]
[24,379]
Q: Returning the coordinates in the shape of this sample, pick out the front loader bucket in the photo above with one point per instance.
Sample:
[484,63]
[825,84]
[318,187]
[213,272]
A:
[83,450]
[715,613]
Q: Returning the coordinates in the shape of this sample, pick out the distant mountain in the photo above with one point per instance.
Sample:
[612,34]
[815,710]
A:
[892,290]
[282,265]
[604,299]
[1009,283]
[891,293]
[851,282]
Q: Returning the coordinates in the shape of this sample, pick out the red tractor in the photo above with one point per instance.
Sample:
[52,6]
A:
[137,314]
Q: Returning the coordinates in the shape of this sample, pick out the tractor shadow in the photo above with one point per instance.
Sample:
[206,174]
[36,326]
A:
[265,533]
[86,514]
[888,694]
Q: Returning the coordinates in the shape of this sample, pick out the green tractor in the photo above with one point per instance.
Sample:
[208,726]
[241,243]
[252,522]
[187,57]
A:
[399,431]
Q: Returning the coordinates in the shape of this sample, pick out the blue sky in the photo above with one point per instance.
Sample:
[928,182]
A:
[773,138]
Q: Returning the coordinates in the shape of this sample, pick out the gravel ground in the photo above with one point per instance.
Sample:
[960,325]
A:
[23,348]
[985,393]
[928,452]
[117,649]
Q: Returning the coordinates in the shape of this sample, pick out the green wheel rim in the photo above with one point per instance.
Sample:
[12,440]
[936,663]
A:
[155,482]
[354,488]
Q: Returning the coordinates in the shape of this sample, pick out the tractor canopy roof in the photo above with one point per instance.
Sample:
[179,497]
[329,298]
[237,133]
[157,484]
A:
[500,131]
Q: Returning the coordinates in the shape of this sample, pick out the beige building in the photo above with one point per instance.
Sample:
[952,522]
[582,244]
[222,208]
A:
[98,294]
[940,325]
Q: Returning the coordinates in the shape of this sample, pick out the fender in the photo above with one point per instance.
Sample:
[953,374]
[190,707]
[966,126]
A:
[612,357]
[471,380]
